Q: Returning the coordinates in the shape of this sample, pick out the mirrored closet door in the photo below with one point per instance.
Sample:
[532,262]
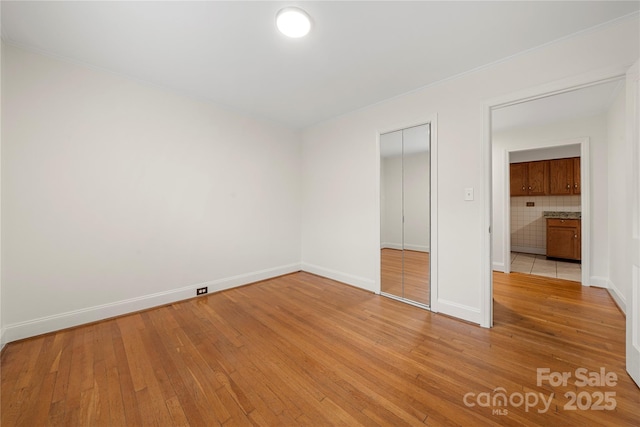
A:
[405,212]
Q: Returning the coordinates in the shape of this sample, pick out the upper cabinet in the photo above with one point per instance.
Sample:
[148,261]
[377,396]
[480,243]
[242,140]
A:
[576,175]
[530,178]
[519,182]
[564,176]
[545,177]
[539,178]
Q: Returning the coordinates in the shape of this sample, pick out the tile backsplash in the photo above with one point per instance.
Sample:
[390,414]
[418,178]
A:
[528,226]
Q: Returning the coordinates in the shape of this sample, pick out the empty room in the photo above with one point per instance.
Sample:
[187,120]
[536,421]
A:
[319,213]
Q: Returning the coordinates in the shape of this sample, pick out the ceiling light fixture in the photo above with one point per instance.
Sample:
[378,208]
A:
[293,22]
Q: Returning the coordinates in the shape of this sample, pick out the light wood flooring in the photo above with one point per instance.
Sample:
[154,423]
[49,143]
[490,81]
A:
[303,350]
[405,274]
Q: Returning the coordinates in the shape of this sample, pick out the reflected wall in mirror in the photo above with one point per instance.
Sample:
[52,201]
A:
[405,192]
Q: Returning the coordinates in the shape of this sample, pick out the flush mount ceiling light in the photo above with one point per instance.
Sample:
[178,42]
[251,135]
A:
[293,22]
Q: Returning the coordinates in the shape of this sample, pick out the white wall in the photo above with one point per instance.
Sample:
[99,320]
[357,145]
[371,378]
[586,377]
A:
[118,196]
[560,152]
[340,230]
[521,138]
[619,153]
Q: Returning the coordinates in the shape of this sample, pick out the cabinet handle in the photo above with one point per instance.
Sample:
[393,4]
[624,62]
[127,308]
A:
[529,188]
[575,185]
[575,237]
[562,220]
[568,185]
[523,187]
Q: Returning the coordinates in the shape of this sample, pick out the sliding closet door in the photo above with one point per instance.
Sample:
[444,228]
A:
[391,213]
[416,198]
[405,214]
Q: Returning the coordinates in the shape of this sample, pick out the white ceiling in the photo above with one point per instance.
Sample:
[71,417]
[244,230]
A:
[358,53]
[586,102]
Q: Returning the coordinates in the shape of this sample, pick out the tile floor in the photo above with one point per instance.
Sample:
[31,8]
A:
[539,265]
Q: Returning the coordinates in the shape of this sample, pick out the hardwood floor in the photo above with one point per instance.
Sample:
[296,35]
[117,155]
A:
[414,284]
[303,350]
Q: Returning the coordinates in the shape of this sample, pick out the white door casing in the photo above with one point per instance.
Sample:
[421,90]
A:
[633,139]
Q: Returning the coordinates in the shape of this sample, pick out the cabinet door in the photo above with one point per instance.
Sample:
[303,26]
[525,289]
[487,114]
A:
[576,175]
[563,238]
[538,173]
[518,176]
[561,176]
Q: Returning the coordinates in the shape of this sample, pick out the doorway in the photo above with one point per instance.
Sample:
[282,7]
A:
[405,215]
[497,254]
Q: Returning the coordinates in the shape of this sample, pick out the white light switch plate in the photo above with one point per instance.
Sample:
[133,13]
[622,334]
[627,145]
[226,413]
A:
[468,194]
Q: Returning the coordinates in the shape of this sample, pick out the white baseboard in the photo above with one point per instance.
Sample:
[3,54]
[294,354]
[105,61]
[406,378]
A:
[498,266]
[461,311]
[600,282]
[617,296]
[407,246]
[417,248]
[397,246]
[349,279]
[69,319]
[528,250]
[450,308]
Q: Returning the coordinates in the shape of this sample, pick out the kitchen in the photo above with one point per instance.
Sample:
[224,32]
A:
[581,124]
[546,217]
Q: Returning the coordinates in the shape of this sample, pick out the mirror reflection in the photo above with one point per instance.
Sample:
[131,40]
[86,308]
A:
[405,191]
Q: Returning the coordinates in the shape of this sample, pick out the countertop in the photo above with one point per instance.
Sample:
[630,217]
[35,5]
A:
[563,215]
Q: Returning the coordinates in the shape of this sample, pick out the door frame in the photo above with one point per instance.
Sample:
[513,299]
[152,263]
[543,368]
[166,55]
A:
[542,91]
[432,120]
[632,337]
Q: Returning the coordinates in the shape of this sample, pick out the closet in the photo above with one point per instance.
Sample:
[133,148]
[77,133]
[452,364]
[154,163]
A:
[405,192]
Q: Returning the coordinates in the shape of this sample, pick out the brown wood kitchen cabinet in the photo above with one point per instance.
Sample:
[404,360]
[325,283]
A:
[564,176]
[576,175]
[563,238]
[529,178]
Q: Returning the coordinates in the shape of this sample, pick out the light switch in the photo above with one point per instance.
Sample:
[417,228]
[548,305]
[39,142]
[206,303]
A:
[468,193]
